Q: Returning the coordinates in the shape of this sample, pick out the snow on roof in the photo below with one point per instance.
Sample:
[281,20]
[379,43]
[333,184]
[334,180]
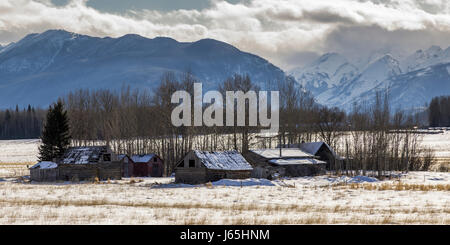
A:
[223,160]
[295,161]
[314,147]
[285,153]
[142,158]
[83,155]
[311,147]
[45,165]
[121,156]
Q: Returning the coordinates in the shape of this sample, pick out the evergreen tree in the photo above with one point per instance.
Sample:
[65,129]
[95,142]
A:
[55,135]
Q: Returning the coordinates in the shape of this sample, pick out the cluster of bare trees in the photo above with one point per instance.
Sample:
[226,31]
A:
[21,124]
[380,141]
[370,138]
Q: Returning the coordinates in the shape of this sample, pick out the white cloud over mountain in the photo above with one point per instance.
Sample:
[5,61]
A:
[279,30]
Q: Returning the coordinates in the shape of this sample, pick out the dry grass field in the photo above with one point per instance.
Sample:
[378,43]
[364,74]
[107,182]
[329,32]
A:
[418,198]
[414,198]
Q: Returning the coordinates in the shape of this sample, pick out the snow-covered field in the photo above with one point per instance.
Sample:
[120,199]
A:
[15,151]
[413,198]
[420,198]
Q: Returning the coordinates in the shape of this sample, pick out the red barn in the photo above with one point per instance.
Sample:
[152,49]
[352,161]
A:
[147,165]
[127,165]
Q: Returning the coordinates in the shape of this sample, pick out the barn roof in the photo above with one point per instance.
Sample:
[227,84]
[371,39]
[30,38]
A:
[285,153]
[142,158]
[45,165]
[314,147]
[310,147]
[223,160]
[121,156]
[295,161]
[84,154]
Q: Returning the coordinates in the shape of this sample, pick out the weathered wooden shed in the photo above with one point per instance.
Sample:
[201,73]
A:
[321,150]
[147,165]
[127,165]
[44,172]
[88,163]
[293,162]
[204,166]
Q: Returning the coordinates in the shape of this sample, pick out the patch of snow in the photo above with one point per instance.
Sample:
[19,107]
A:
[285,152]
[45,165]
[296,161]
[243,182]
[223,160]
[142,158]
[222,182]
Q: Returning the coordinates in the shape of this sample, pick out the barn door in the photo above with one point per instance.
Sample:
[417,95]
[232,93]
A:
[156,170]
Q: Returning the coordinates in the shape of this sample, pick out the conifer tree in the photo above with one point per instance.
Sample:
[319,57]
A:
[55,134]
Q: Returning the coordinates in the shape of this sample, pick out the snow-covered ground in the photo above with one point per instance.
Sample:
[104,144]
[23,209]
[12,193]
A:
[302,200]
[19,151]
[413,198]
[440,143]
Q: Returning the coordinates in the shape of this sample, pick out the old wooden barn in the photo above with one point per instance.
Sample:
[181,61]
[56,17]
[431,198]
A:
[268,163]
[147,165]
[321,150]
[80,163]
[204,166]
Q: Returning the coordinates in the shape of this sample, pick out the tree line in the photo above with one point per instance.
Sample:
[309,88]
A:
[439,112]
[23,123]
[370,138]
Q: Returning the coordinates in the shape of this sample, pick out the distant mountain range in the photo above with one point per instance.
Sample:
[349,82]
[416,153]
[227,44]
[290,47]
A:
[41,67]
[411,81]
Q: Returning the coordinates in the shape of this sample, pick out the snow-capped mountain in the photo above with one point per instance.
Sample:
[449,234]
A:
[411,81]
[42,67]
[329,71]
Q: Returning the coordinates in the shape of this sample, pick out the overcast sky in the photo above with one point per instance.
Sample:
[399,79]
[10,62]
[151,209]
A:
[286,32]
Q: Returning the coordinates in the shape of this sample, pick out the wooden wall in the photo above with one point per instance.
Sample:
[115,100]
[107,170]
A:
[44,175]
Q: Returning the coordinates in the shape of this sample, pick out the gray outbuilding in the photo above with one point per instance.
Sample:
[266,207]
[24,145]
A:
[204,166]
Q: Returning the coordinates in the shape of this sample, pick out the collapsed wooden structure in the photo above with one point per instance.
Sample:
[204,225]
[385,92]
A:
[80,163]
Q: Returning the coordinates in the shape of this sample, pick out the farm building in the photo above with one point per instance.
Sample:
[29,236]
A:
[89,162]
[127,165]
[44,171]
[147,165]
[319,149]
[80,163]
[268,163]
[203,166]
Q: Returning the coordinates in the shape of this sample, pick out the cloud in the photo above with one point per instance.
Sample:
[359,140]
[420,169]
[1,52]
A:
[273,29]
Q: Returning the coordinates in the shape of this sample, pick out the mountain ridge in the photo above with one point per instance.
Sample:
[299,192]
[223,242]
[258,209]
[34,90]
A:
[44,66]
[381,73]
